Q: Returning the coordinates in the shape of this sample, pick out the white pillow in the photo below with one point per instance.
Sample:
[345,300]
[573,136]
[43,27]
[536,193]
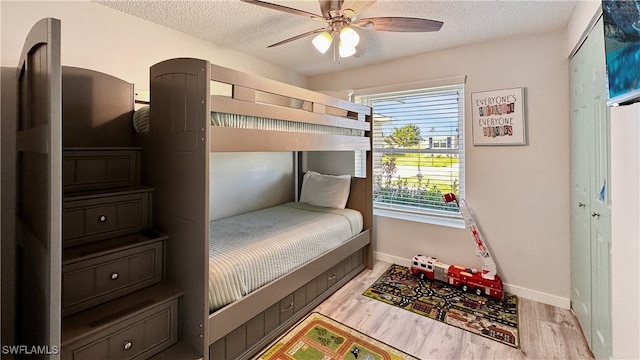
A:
[325,190]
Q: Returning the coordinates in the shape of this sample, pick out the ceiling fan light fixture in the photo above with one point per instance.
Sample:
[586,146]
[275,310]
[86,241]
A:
[346,50]
[341,20]
[349,37]
[322,42]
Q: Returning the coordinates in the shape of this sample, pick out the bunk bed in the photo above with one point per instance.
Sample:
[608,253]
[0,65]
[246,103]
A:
[186,123]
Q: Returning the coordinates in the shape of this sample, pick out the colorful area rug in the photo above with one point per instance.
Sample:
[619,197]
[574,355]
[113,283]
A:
[492,318]
[318,337]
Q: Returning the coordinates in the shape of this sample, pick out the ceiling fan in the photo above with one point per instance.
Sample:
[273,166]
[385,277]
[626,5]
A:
[341,17]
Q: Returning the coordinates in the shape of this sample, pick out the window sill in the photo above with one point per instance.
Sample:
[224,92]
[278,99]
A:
[449,221]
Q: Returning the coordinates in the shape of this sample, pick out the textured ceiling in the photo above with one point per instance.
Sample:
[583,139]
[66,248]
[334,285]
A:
[250,29]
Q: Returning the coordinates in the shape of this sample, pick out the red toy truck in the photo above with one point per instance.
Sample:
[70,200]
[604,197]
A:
[486,282]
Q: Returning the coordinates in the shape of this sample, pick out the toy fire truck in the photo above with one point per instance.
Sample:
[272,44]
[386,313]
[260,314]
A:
[485,282]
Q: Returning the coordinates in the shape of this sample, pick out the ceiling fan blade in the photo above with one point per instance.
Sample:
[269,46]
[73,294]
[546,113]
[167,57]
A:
[358,6]
[329,5]
[297,37]
[399,24]
[284,9]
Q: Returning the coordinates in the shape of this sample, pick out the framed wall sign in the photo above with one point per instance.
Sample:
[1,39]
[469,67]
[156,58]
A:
[498,117]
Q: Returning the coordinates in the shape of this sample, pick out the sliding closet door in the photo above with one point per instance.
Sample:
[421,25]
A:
[600,208]
[580,188]
[39,189]
[590,194]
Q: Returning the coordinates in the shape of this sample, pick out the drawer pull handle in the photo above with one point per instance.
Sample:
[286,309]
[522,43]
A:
[287,309]
[127,345]
[102,218]
[332,277]
[115,276]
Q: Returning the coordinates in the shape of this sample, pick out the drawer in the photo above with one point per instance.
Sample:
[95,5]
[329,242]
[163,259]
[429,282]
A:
[100,168]
[141,336]
[287,308]
[97,217]
[93,281]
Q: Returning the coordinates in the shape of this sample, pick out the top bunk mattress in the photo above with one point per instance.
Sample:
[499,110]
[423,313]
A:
[261,123]
[250,250]
[141,124]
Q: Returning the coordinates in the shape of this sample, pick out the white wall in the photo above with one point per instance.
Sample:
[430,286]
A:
[242,182]
[520,194]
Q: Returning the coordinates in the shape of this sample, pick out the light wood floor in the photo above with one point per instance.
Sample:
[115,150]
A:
[546,332]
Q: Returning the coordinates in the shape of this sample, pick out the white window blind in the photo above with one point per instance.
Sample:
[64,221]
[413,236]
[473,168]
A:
[418,152]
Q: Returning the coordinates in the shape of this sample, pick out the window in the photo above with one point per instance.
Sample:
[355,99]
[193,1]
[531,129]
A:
[418,152]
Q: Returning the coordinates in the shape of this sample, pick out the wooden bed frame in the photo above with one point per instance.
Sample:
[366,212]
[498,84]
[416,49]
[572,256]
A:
[175,159]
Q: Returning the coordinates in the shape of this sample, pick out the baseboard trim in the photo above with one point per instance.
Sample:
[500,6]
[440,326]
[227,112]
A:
[534,295]
[391,259]
[539,296]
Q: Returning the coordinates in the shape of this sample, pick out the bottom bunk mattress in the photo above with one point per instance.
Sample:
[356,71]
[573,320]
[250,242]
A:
[247,251]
